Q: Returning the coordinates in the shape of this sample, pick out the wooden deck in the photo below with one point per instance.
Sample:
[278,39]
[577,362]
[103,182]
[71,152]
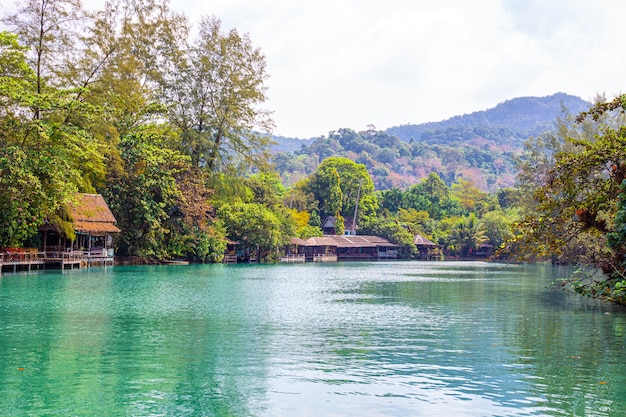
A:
[293,258]
[230,258]
[29,260]
[324,257]
[25,261]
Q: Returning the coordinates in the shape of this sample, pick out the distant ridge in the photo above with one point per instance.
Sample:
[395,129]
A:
[521,117]
[480,147]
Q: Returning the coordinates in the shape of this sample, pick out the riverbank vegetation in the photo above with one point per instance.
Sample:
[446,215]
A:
[171,129]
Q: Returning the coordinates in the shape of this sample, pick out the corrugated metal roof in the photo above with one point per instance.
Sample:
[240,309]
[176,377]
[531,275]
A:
[342,241]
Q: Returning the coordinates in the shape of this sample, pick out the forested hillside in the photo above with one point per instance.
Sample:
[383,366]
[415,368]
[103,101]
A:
[479,147]
[512,121]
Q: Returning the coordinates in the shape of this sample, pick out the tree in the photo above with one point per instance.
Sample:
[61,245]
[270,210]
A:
[574,183]
[577,196]
[46,27]
[469,196]
[336,185]
[45,159]
[497,227]
[432,195]
[213,92]
[145,196]
[267,189]
[417,221]
[390,200]
[393,231]
[255,226]
[467,235]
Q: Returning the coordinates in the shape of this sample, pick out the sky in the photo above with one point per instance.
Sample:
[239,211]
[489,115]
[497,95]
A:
[354,64]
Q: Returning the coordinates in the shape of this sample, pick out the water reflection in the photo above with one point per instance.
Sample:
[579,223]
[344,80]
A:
[383,339]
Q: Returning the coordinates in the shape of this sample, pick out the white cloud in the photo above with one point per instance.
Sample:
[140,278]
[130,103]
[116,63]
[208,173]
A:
[349,63]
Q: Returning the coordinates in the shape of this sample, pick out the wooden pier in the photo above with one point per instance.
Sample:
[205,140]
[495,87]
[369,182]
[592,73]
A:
[26,261]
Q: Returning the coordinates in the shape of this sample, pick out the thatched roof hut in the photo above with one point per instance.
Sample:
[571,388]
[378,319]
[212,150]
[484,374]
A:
[91,215]
[85,223]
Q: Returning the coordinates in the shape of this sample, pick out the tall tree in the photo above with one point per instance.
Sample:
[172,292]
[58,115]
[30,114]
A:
[214,92]
[44,160]
[431,194]
[144,197]
[255,226]
[46,27]
[574,181]
[337,184]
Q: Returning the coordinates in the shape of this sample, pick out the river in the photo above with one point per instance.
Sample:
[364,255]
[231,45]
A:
[344,339]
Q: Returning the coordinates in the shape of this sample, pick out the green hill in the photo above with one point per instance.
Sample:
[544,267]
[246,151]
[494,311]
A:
[516,120]
[479,146]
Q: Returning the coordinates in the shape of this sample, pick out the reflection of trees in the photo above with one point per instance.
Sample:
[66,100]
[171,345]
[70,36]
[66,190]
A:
[103,343]
[572,354]
[202,345]
[142,344]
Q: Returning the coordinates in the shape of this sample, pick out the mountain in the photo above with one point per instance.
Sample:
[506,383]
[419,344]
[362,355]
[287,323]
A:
[518,119]
[480,146]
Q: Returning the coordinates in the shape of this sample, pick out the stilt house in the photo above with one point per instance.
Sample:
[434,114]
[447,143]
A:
[94,226]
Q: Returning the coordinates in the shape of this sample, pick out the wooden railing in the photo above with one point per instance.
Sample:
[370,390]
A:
[66,257]
[390,253]
[22,258]
[230,258]
[324,257]
[293,258]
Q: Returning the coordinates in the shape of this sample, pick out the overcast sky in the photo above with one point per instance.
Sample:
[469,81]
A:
[349,63]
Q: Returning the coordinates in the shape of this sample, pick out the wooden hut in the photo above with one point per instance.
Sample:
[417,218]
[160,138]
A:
[426,248]
[94,227]
[328,226]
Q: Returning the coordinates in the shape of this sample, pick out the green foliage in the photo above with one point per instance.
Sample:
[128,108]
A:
[23,200]
[206,245]
[573,180]
[417,221]
[46,157]
[433,196]
[617,237]
[467,234]
[143,197]
[308,231]
[255,226]
[340,227]
[266,188]
[16,77]
[335,186]
[498,227]
[213,90]
[390,201]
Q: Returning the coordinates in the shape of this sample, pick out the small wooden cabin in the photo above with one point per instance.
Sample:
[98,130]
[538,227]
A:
[94,226]
[426,249]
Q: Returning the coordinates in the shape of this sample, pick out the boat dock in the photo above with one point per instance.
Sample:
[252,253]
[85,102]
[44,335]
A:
[29,260]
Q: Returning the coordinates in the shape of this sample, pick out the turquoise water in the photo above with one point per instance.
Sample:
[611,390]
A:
[346,339]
